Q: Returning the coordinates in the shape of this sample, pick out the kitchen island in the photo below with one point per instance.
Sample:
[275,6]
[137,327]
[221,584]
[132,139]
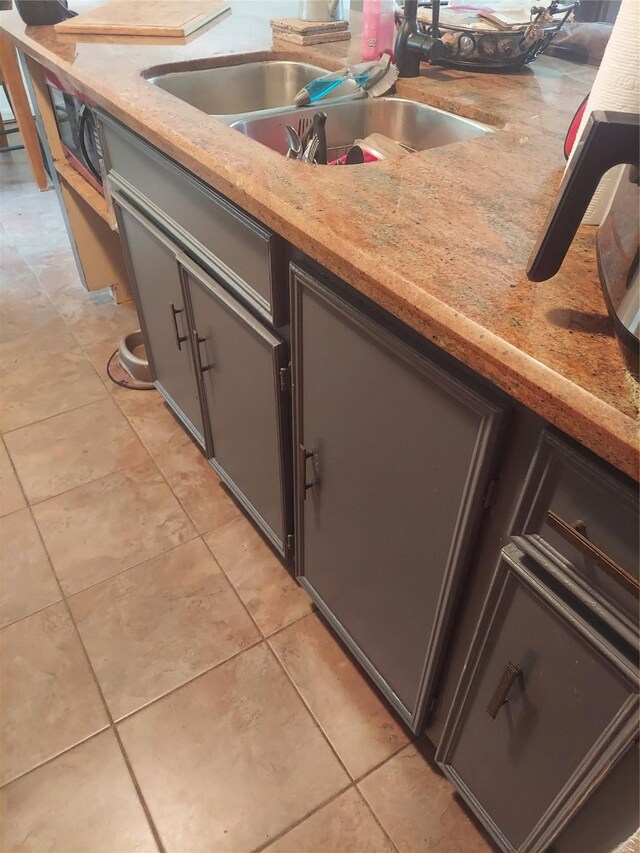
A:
[464,441]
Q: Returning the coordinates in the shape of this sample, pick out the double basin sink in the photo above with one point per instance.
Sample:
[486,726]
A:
[256,98]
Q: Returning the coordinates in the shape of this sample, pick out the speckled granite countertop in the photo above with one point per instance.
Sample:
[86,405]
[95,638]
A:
[439,238]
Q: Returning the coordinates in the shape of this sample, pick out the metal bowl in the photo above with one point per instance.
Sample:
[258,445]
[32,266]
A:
[133,356]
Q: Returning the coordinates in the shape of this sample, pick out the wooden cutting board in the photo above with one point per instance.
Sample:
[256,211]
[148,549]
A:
[166,18]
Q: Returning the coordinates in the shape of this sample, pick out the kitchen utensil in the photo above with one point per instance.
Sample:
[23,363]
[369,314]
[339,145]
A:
[319,132]
[294,143]
[374,78]
[310,152]
[304,130]
[164,18]
[609,139]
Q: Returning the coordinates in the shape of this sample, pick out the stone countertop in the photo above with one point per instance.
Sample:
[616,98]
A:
[439,238]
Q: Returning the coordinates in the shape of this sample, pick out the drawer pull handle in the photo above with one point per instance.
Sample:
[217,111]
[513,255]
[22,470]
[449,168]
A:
[174,314]
[574,535]
[501,696]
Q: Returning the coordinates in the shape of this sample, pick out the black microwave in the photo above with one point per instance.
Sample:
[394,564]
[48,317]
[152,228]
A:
[78,129]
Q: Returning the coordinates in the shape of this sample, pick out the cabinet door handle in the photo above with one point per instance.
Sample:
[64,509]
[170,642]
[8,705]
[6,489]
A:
[303,486]
[180,339]
[574,535]
[202,368]
[501,695]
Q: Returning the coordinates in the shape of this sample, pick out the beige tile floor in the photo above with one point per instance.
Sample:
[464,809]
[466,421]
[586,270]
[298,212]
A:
[165,683]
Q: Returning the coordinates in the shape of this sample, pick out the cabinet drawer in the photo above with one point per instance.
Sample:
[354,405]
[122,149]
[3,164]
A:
[587,515]
[233,244]
[544,709]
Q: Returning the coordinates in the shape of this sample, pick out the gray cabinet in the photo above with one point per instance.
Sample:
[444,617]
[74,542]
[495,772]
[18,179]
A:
[546,705]
[392,466]
[240,362]
[217,366]
[153,272]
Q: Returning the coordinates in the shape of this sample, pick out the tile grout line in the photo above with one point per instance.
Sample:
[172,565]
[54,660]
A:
[48,295]
[153,459]
[152,456]
[61,316]
[95,479]
[308,709]
[48,417]
[69,411]
[380,764]
[92,482]
[264,636]
[111,723]
[235,591]
[18,480]
[313,612]
[196,677]
[52,758]
[129,568]
[301,820]
[369,808]
[40,609]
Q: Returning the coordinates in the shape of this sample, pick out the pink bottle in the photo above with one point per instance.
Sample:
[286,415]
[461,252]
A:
[370,27]
[378,28]
[387,27]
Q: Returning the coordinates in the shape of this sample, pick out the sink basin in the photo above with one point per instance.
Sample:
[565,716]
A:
[233,90]
[414,125]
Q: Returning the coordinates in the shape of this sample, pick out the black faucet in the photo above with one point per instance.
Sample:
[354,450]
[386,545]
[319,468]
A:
[413,47]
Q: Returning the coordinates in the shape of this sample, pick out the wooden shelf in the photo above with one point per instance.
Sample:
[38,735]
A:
[85,190]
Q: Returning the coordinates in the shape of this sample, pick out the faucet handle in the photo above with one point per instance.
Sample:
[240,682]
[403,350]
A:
[428,47]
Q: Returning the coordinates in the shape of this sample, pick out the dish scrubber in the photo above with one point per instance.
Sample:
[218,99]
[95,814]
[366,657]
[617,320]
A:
[375,78]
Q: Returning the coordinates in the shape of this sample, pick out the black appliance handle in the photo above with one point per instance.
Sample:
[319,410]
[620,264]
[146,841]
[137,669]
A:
[85,112]
[609,139]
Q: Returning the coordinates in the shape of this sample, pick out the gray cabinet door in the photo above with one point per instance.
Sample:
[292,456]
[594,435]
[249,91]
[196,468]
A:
[239,361]
[545,707]
[392,465]
[155,280]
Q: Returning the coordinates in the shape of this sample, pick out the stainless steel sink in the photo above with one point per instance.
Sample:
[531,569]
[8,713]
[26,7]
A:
[234,90]
[414,125]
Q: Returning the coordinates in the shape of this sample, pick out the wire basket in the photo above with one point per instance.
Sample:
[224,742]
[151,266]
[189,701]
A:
[500,49]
